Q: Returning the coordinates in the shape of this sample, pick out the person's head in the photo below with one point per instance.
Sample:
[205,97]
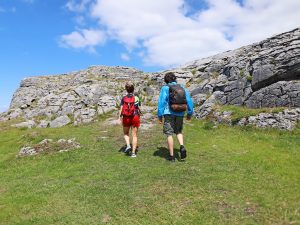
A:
[129,87]
[170,77]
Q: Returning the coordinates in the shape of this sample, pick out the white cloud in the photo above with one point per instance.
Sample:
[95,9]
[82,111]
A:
[125,57]
[167,37]
[77,5]
[80,20]
[83,39]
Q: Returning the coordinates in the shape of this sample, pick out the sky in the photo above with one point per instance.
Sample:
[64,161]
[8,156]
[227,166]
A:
[45,37]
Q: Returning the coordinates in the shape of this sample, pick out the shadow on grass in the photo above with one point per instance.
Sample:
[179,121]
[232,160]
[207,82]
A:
[163,152]
[122,149]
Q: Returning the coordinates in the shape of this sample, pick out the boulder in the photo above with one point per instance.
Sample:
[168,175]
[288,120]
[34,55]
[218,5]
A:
[60,121]
[28,124]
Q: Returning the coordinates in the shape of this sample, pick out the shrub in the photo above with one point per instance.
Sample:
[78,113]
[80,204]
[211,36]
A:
[249,78]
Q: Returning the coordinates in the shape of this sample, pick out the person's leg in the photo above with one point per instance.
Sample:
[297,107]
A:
[134,138]
[135,128]
[180,138]
[126,137]
[170,145]
[169,131]
[178,132]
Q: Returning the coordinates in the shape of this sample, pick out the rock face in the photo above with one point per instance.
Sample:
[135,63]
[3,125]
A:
[264,74]
[285,120]
[78,96]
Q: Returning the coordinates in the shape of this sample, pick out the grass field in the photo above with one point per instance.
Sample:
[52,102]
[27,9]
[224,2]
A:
[232,175]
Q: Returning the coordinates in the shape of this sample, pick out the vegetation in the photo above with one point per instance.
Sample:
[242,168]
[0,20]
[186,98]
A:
[215,74]
[249,78]
[242,72]
[194,71]
[232,175]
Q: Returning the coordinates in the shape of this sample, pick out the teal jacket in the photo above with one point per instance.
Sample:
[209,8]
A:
[164,106]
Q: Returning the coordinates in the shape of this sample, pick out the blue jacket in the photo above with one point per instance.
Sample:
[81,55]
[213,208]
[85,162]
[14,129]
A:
[163,103]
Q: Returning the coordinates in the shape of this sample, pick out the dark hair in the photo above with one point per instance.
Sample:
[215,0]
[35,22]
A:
[170,77]
[129,87]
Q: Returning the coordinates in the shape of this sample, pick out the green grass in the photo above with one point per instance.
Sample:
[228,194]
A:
[233,175]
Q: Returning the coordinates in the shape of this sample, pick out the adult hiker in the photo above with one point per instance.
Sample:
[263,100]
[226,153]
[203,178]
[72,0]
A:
[129,116]
[173,101]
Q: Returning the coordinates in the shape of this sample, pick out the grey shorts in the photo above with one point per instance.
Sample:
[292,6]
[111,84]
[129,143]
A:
[172,124]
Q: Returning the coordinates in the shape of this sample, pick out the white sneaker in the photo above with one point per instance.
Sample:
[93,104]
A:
[133,155]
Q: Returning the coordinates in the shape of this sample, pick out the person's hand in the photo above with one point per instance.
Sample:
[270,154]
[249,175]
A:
[160,120]
[188,117]
[120,121]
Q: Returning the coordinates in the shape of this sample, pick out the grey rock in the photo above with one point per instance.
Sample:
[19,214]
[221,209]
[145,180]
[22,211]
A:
[199,99]
[15,113]
[45,141]
[204,110]
[27,151]
[60,121]
[265,74]
[285,120]
[279,94]
[43,124]
[29,124]
[85,115]
[106,104]
[148,117]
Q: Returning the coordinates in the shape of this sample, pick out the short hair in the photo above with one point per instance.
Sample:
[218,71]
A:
[129,87]
[170,77]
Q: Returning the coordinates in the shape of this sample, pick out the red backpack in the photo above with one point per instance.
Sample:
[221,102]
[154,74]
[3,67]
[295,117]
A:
[128,106]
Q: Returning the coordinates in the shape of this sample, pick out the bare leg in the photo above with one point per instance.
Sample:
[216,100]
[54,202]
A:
[126,135]
[180,139]
[170,145]
[134,138]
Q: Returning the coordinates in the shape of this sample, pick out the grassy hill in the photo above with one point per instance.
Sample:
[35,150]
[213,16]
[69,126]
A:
[232,175]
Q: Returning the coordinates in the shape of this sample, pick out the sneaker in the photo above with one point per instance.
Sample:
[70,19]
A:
[182,152]
[127,149]
[171,158]
[133,155]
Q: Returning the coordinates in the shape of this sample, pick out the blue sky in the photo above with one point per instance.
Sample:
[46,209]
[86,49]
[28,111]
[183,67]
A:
[39,37]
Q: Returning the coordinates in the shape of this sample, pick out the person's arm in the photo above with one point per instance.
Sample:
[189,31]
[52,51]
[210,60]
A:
[162,103]
[190,105]
[120,111]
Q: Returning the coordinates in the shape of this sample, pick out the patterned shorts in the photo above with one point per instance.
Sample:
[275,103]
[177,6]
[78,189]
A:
[172,125]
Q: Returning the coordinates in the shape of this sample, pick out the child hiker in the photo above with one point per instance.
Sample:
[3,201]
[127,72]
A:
[129,116]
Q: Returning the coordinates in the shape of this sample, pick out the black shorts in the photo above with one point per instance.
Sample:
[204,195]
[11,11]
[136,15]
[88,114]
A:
[172,125]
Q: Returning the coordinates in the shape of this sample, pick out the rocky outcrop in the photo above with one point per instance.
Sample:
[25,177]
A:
[48,145]
[264,74]
[285,120]
[77,97]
